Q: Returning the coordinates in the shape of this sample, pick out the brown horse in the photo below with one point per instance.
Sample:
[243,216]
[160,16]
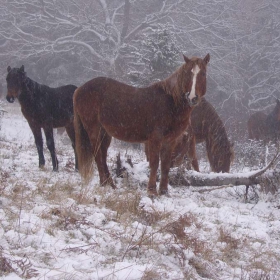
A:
[265,127]
[43,107]
[158,114]
[205,126]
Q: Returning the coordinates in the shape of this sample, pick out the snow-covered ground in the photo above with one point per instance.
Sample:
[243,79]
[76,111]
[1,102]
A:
[54,227]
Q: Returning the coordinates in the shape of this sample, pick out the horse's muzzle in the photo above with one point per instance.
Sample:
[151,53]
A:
[10,99]
[194,101]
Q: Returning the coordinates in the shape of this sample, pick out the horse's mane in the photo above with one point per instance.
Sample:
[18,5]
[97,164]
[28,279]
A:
[174,84]
[216,125]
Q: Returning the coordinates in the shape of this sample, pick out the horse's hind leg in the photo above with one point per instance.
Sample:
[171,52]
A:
[50,144]
[105,143]
[100,143]
[37,133]
[71,133]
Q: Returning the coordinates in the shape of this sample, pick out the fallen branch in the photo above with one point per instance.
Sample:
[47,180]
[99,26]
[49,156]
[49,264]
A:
[269,181]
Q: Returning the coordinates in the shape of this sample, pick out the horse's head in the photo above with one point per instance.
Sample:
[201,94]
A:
[15,79]
[194,78]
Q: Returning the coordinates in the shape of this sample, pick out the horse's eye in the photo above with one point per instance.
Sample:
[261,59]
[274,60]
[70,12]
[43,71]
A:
[203,74]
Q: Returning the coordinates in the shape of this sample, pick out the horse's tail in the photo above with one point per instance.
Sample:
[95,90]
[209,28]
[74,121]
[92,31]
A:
[83,149]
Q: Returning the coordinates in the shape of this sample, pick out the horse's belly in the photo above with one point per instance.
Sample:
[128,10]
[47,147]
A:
[128,134]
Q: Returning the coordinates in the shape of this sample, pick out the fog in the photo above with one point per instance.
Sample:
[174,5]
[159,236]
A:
[139,42]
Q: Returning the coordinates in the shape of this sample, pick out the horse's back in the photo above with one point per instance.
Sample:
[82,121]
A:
[63,93]
[99,92]
[256,126]
[104,89]
[51,106]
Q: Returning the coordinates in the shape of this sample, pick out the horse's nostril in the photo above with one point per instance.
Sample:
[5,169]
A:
[195,99]
[10,99]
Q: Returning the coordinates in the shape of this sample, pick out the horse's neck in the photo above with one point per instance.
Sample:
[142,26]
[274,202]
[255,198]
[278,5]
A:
[170,84]
[29,88]
[217,131]
[170,87]
[28,91]
[31,85]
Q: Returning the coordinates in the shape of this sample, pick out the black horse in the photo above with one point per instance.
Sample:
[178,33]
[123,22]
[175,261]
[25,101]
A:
[43,107]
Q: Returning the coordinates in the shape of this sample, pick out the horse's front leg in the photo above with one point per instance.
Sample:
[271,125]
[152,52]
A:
[154,149]
[50,144]
[165,157]
[37,133]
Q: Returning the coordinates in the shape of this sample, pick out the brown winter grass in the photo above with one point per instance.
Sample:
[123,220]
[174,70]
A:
[181,234]
[154,274]
[189,240]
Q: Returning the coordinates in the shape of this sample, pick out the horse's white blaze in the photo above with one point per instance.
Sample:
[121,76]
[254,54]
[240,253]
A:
[195,71]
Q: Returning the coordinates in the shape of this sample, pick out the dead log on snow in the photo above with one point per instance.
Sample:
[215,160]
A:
[268,180]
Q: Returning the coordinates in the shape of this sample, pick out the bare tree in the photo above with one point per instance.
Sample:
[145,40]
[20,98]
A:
[66,41]
[95,36]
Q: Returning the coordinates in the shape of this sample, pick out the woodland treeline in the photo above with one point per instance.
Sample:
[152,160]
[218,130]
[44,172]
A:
[61,42]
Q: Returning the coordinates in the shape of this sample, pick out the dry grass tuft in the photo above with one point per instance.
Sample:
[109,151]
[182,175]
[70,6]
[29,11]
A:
[85,195]
[21,267]
[152,274]
[188,241]
[5,266]
[258,275]
[226,237]
[152,216]
[4,176]
[67,218]
[230,251]
[124,203]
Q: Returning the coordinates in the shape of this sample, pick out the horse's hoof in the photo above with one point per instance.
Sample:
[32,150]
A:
[55,169]
[164,192]
[152,193]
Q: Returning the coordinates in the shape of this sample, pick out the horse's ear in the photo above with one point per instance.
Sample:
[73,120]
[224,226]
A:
[277,102]
[9,69]
[206,59]
[21,68]
[187,60]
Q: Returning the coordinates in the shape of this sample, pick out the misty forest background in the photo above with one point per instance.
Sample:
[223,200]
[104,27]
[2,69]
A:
[139,42]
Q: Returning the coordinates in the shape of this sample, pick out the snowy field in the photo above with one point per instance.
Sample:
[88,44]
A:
[53,227]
